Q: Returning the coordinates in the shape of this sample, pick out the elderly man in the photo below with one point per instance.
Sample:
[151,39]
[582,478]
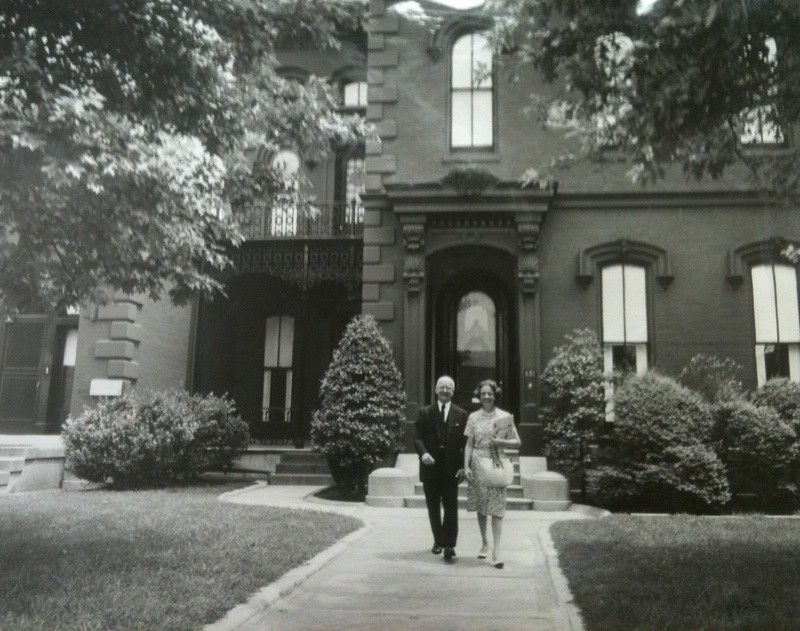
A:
[440,441]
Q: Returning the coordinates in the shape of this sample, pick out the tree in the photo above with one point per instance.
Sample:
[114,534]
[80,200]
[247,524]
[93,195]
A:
[574,413]
[125,127]
[361,419]
[689,82]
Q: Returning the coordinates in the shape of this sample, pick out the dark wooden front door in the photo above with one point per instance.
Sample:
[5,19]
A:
[473,334]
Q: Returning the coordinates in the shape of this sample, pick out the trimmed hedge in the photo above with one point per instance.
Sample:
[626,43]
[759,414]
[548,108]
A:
[759,450]
[659,456]
[150,438]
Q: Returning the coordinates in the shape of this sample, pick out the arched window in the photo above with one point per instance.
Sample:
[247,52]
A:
[471,93]
[354,94]
[624,304]
[276,399]
[283,218]
[777,322]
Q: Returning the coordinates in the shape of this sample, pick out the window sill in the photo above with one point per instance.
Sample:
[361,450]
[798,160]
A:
[469,157]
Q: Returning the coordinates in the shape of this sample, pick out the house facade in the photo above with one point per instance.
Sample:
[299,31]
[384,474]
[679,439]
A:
[427,227]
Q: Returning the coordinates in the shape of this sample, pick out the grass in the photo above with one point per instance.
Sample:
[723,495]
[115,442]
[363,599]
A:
[682,572]
[149,560]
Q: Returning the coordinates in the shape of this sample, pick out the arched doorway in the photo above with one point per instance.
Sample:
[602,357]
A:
[473,323]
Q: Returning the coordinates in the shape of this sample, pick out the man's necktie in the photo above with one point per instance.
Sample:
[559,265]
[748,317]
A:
[441,426]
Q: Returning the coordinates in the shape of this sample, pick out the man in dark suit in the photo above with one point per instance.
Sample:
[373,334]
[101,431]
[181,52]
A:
[440,441]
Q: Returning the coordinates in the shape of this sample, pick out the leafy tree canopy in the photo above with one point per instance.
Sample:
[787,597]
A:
[124,132]
[692,82]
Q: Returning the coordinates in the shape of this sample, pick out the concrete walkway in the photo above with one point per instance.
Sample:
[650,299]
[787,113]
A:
[384,576]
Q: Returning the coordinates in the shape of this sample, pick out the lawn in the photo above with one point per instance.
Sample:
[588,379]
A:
[149,560]
[683,572]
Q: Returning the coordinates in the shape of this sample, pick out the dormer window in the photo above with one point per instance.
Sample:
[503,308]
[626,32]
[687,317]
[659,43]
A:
[759,125]
[354,94]
[471,93]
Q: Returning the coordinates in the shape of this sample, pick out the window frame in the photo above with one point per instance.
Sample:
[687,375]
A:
[470,151]
[759,345]
[642,349]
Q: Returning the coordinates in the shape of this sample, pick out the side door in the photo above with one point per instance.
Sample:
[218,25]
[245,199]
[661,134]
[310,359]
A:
[24,376]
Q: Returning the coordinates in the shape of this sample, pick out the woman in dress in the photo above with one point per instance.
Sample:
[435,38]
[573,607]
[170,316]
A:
[482,441]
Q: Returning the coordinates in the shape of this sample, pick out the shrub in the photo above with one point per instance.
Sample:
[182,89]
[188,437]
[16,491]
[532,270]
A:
[659,451]
[713,378]
[153,438]
[654,412]
[574,415]
[759,451]
[783,396]
[362,414]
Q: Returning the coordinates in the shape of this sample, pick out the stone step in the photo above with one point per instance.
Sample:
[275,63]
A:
[512,503]
[15,451]
[302,467]
[12,464]
[293,457]
[512,490]
[301,479]
[5,478]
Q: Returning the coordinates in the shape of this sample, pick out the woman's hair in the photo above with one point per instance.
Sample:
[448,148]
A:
[492,384]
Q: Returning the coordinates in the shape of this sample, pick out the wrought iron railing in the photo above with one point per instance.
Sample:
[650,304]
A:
[295,219]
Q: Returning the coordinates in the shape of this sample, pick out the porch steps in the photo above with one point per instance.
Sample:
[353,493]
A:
[300,467]
[12,461]
[35,463]
[514,498]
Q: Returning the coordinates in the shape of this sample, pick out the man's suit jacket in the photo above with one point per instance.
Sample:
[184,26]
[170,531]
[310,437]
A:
[427,440]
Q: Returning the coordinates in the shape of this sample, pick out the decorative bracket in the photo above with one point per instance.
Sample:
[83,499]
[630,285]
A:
[528,273]
[528,234]
[414,272]
[414,237]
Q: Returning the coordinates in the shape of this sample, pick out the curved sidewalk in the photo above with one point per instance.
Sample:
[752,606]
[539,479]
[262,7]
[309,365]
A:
[384,576]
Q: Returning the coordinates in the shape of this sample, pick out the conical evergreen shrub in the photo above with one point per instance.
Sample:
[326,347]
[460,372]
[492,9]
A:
[362,414]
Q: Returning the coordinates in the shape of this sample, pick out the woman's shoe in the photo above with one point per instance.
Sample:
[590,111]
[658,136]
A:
[483,552]
[499,565]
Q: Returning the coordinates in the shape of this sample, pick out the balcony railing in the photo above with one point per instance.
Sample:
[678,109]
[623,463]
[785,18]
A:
[293,219]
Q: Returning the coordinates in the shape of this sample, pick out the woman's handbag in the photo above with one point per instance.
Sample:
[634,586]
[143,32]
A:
[496,472]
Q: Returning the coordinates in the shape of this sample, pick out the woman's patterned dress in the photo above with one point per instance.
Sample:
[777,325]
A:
[481,498]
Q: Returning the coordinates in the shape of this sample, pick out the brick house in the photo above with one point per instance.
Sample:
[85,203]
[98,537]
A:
[428,228]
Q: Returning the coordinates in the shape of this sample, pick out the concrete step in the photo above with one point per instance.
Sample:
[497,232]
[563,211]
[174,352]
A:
[15,451]
[310,457]
[5,478]
[302,467]
[301,479]
[12,464]
[512,490]
[512,503]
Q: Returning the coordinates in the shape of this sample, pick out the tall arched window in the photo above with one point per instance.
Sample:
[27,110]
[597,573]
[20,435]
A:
[625,327]
[471,93]
[777,322]
[283,219]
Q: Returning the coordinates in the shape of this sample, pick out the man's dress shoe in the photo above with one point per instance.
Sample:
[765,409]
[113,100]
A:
[436,549]
[449,554]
